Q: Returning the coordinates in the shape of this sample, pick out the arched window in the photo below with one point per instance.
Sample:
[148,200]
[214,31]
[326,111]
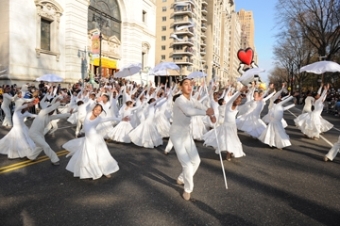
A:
[108,11]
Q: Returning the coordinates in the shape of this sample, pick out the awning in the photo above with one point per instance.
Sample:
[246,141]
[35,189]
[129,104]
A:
[106,62]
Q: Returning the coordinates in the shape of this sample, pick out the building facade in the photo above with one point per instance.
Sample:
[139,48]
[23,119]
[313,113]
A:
[181,38]
[234,44]
[51,36]
[247,30]
[199,35]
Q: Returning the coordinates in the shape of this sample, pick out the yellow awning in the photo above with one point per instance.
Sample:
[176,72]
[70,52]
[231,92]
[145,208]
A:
[106,62]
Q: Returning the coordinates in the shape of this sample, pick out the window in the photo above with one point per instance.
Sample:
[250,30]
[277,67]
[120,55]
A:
[45,35]
[164,18]
[110,11]
[47,28]
[164,9]
[163,57]
[163,47]
[163,38]
[144,16]
[163,28]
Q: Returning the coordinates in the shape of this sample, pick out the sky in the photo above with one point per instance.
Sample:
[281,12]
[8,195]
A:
[264,18]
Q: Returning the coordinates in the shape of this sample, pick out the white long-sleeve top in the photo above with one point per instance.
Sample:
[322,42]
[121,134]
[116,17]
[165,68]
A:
[183,110]
[43,118]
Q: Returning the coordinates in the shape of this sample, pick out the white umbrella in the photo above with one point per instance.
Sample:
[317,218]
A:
[49,78]
[161,68]
[321,67]
[197,74]
[161,73]
[248,76]
[128,70]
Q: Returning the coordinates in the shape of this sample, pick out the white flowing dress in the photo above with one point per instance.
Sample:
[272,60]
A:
[311,123]
[17,143]
[120,132]
[146,133]
[90,156]
[106,127]
[227,132]
[275,134]
[251,123]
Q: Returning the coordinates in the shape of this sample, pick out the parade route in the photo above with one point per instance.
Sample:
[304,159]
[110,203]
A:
[293,186]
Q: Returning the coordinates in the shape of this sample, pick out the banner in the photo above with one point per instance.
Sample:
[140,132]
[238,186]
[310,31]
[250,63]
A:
[95,48]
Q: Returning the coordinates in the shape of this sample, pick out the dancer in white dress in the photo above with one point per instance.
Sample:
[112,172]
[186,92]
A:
[249,104]
[120,132]
[312,124]
[275,134]
[276,96]
[36,132]
[17,143]
[250,122]
[333,151]
[106,127]
[161,120]
[90,155]
[228,139]
[309,102]
[146,134]
[5,106]
[187,154]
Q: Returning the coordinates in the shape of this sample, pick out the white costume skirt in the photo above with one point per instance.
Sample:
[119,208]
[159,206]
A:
[17,143]
[146,135]
[251,125]
[73,119]
[162,124]
[266,119]
[105,128]
[120,133]
[275,135]
[90,157]
[312,124]
[227,139]
[197,127]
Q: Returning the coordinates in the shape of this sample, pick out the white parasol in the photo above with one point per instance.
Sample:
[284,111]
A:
[321,67]
[197,74]
[50,78]
[128,70]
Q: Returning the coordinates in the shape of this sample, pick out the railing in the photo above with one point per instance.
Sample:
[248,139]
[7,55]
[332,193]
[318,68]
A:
[181,41]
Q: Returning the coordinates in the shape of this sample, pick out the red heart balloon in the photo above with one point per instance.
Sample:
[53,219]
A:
[245,56]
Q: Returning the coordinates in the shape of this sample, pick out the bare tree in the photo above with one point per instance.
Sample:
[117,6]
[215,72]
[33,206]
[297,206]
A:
[317,21]
[278,75]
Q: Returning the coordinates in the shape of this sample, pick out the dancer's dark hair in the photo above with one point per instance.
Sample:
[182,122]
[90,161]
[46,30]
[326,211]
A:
[151,100]
[175,97]
[101,107]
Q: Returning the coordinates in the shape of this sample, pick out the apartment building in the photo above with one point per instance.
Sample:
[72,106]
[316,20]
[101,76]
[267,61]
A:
[181,27]
[247,30]
[198,35]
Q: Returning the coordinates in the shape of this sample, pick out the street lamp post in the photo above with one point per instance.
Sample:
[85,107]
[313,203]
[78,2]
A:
[101,22]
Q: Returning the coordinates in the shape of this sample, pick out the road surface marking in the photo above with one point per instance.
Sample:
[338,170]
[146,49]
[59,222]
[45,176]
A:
[25,163]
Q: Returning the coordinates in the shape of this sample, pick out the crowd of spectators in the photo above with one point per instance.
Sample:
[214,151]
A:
[331,104]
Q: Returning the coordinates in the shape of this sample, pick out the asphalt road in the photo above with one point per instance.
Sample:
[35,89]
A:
[267,187]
